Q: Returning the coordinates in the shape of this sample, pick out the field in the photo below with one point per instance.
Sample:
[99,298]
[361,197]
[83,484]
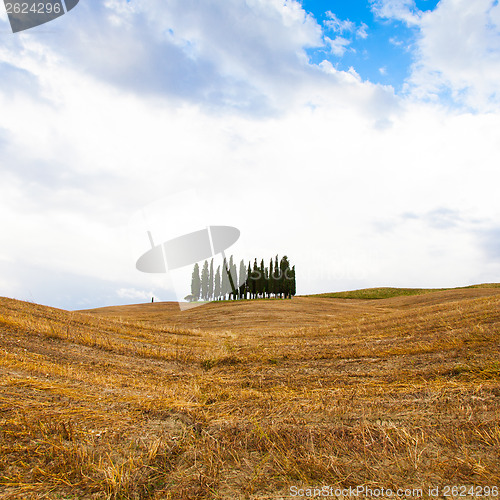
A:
[252,400]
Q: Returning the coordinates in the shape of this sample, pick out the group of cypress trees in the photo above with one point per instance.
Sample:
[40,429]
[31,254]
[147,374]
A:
[277,280]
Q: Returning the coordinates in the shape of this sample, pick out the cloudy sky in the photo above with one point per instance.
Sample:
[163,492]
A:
[359,137]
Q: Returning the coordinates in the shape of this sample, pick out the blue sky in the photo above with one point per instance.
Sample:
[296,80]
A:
[371,126]
[381,53]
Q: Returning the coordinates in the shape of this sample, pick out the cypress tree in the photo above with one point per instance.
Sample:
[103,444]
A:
[276,278]
[242,281]
[248,286]
[294,284]
[253,282]
[258,281]
[234,278]
[204,281]
[270,283]
[196,282]
[225,281]
[284,272]
[255,279]
[217,291]
[285,277]
[262,279]
[211,281]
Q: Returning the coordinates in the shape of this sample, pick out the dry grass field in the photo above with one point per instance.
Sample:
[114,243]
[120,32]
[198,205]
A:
[251,400]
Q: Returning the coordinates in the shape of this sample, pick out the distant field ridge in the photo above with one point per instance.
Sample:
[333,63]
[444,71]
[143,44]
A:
[388,292]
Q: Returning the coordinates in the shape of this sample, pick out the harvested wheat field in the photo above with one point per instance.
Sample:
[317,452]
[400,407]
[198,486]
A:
[252,400]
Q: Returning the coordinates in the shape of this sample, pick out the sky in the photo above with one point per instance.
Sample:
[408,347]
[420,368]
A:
[359,138]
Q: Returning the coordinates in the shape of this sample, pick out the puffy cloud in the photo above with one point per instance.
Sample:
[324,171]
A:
[262,135]
[456,52]
[16,80]
[343,29]
[137,295]
[338,45]
[246,55]
[337,25]
[490,239]
[362,31]
[326,168]
[459,50]
[239,56]
[402,10]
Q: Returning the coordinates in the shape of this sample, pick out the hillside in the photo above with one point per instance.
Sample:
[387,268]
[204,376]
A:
[389,292]
[269,315]
[245,400]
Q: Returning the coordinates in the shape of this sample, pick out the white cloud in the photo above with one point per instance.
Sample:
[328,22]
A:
[134,294]
[396,42]
[242,55]
[339,26]
[459,50]
[343,28]
[338,45]
[491,243]
[402,10]
[329,170]
[312,179]
[362,31]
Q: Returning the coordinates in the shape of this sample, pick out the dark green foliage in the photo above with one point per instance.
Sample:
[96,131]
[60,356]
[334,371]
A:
[270,280]
[285,278]
[294,284]
[261,284]
[253,282]
[233,278]
[242,281]
[248,286]
[276,278]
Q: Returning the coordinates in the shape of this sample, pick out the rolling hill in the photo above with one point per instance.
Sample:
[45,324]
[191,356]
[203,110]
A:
[247,400]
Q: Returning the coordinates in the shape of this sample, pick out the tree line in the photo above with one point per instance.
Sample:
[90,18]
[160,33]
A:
[226,283]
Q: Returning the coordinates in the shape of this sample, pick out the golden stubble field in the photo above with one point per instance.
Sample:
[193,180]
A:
[250,400]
